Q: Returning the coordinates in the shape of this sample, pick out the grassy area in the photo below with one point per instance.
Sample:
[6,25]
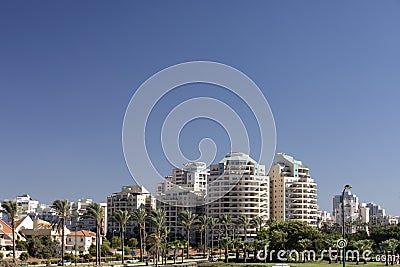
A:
[311,264]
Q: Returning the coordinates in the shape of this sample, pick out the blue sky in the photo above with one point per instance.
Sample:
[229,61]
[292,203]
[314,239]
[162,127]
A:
[330,71]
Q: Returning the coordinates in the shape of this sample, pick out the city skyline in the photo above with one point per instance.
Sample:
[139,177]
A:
[335,199]
[328,70]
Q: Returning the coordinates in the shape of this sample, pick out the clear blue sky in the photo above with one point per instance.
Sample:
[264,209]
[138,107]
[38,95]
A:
[329,69]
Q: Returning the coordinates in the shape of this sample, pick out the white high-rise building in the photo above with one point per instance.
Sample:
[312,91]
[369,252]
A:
[184,190]
[293,193]
[238,185]
[26,206]
[351,208]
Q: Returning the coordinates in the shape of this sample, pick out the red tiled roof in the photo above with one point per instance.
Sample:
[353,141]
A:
[18,222]
[82,233]
[5,228]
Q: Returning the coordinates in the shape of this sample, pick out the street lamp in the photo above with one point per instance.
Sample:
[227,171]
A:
[346,187]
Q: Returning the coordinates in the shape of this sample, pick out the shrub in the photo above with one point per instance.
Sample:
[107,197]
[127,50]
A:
[118,257]
[69,257]
[87,256]
[24,256]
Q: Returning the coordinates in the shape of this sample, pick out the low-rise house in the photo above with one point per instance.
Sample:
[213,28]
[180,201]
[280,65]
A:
[44,228]
[6,239]
[82,240]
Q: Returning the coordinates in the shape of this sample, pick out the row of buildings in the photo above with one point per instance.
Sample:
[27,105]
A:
[237,185]
[240,186]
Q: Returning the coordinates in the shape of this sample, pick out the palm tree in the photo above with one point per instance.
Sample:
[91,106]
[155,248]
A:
[158,218]
[96,212]
[182,245]
[257,222]
[174,246]
[389,245]
[211,223]
[140,216]
[164,234]
[203,223]
[244,221]
[226,221]
[187,218]
[63,212]
[121,217]
[226,242]
[220,232]
[157,241]
[11,209]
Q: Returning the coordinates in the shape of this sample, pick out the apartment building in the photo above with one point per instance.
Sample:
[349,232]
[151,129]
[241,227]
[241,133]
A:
[293,193]
[238,185]
[130,198]
[79,222]
[185,189]
[351,207]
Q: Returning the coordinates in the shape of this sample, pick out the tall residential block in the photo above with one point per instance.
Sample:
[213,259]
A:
[184,190]
[130,198]
[293,193]
[238,186]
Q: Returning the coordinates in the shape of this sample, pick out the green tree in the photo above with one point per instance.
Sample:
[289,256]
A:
[96,212]
[244,221]
[24,256]
[1,255]
[42,247]
[202,225]
[304,244]
[11,209]
[63,211]
[187,218]
[226,242]
[226,221]
[132,242]
[389,245]
[257,222]
[174,245]
[156,240]
[116,242]
[70,257]
[182,245]
[105,246]
[121,217]
[140,216]
[212,222]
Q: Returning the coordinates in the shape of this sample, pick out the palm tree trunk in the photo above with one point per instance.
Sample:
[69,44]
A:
[144,237]
[188,239]
[201,239]
[212,241]
[13,240]
[123,245]
[205,242]
[98,245]
[62,241]
[141,243]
